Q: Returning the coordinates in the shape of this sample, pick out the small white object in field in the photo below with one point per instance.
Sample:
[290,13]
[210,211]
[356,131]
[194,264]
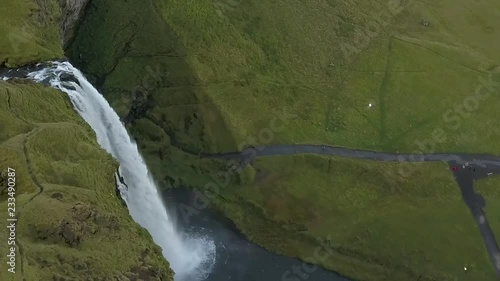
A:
[370,105]
[489,174]
[465,268]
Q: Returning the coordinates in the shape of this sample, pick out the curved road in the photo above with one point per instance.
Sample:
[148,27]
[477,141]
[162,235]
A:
[291,149]
[466,168]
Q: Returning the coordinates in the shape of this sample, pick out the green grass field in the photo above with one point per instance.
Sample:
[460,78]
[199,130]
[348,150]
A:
[416,229]
[233,64]
[258,57]
[29,32]
[70,222]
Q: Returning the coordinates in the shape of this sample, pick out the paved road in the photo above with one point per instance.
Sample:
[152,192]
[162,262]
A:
[476,204]
[466,169]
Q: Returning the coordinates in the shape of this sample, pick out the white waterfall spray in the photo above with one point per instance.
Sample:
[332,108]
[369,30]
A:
[191,258]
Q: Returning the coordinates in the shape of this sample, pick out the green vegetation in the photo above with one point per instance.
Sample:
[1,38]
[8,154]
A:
[417,229]
[71,223]
[260,56]
[220,71]
[30,32]
[207,76]
[151,85]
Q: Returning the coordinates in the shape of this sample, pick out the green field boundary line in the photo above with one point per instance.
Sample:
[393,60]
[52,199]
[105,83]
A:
[438,54]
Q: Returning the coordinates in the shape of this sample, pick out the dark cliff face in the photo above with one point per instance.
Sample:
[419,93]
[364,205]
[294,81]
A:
[71,13]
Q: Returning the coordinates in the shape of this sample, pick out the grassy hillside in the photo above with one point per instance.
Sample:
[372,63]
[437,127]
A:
[71,223]
[310,57]
[30,32]
[417,63]
[327,60]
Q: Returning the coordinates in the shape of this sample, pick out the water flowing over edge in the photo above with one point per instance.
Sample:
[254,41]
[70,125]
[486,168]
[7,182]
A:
[192,257]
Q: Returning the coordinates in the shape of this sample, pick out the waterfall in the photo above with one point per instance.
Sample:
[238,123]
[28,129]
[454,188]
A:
[192,258]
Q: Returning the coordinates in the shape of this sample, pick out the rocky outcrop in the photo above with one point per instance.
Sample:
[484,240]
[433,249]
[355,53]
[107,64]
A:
[71,12]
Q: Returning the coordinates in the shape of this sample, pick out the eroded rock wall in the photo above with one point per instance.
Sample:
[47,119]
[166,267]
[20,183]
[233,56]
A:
[71,13]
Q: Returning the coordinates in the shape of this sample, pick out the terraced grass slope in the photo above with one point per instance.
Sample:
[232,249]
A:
[30,32]
[71,223]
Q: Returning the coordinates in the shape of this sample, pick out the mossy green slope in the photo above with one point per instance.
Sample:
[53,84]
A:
[30,32]
[71,223]
[152,86]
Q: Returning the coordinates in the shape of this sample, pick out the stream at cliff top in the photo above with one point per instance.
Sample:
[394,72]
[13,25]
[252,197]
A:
[205,247]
